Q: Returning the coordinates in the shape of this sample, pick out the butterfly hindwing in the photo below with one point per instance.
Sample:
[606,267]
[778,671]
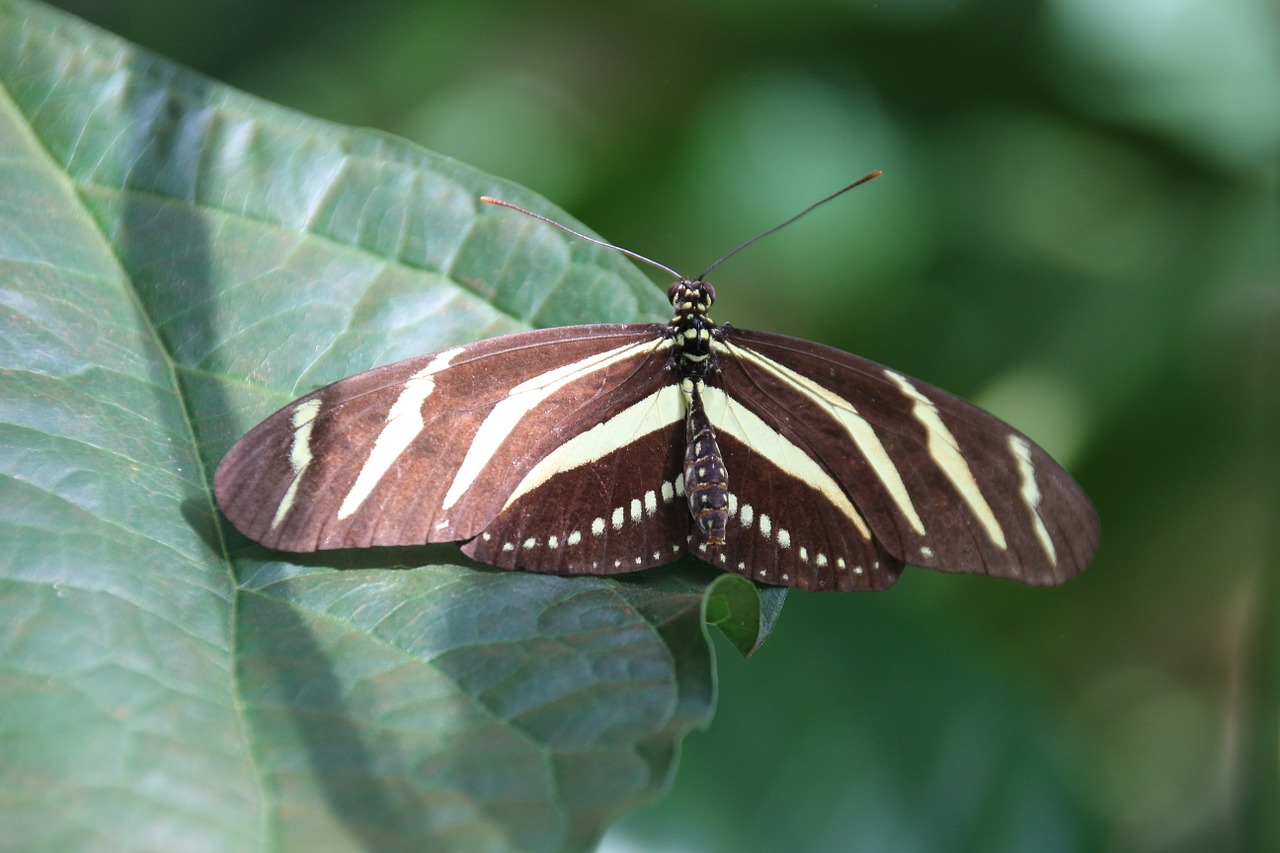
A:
[940,482]
[792,526]
[621,511]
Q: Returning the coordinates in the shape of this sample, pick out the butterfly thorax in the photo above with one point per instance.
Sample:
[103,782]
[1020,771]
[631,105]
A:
[692,328]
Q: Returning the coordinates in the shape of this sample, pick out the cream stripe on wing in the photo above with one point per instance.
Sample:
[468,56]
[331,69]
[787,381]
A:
[1030,492]
[732,418]
[303,421]
[505,416]
[404,422]
[945,452]
[864,437]
[660,409]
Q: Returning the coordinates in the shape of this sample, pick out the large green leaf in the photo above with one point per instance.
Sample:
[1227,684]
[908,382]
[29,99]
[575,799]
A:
[176,261]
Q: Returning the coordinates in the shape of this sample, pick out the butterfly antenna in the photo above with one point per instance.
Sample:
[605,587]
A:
[487,200]
[877,173]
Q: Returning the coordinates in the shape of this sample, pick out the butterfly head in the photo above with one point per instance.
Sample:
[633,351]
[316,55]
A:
[691,297]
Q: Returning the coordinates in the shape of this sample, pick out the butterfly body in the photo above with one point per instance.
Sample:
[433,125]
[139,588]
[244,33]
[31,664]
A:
[614,448]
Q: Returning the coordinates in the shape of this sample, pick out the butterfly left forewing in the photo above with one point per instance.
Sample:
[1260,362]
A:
[940,482]
[427,450]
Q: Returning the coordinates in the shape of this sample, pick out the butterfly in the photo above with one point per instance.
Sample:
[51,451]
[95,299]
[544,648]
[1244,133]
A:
[612,448]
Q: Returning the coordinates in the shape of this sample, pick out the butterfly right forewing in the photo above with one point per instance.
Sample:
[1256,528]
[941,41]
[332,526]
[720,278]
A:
[940,482]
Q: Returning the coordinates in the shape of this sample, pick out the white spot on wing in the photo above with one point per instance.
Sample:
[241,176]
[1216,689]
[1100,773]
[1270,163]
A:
[302,420]
[945,452]
[617,518]
[597,527]
[404,423]
[1030,493]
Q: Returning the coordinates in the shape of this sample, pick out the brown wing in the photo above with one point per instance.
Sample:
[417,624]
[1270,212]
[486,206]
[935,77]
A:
[940,482]
[431,449]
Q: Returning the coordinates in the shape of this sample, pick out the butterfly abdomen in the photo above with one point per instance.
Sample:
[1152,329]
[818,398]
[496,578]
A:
[706,481]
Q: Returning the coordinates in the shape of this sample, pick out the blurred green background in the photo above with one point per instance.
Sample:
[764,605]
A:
[1079,227]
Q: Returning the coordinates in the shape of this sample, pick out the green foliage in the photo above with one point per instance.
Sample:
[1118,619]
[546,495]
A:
[176,261]
[1078,227]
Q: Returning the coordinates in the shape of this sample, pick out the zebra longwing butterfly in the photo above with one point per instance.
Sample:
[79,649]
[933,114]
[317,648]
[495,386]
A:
[612,448]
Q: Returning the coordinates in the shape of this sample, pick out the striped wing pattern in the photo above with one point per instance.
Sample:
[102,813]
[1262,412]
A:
[623,515]
[940,482]
[566,451]
[788,533]
[428,449]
